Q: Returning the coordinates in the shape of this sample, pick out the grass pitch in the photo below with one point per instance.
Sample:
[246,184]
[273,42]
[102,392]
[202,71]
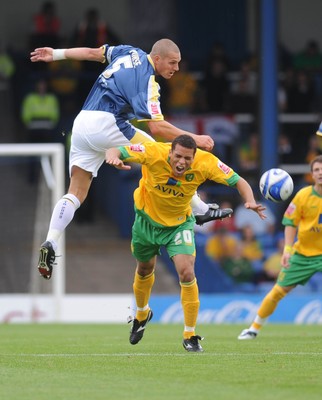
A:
[94,362]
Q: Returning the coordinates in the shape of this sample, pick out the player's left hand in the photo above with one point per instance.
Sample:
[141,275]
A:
[118,164]
[258,208]
[285,259]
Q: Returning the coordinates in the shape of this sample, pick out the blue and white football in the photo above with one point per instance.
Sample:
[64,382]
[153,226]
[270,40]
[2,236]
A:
[276,185]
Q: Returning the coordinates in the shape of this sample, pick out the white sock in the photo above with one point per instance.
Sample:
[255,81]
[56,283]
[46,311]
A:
[62,215]
[198,206]
[259,320]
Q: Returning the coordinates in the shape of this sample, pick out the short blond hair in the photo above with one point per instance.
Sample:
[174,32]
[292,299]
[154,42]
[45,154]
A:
[163,47]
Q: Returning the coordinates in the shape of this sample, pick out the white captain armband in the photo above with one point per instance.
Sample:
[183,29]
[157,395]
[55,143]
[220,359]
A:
[59,54]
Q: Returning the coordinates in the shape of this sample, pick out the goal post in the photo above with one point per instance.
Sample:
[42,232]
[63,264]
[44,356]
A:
[52,157]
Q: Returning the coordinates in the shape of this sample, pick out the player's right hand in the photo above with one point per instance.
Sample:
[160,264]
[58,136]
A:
[204,142]
[44,54]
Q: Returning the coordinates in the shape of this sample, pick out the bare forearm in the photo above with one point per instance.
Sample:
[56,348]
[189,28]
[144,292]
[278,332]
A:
[112,153]
[247,195]
[170,132]
[289,235]
[48,54]
[85,54]
[167,130]
[112,157]
[245,191]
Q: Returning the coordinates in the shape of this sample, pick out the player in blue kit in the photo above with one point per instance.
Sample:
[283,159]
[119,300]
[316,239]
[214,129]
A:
[126,89]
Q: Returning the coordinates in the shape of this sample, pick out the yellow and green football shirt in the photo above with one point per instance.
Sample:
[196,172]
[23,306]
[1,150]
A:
[305,213]
[163,198]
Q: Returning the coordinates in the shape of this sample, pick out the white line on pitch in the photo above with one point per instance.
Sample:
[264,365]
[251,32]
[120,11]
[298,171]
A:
[162,354]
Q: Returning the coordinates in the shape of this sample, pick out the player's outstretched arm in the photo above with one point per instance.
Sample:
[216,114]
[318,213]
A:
[247,195]
[48,54]
[112,157]
[169,132]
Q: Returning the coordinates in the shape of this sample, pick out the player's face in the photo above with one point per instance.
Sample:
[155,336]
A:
[317,173]
[180,160]
[168,65]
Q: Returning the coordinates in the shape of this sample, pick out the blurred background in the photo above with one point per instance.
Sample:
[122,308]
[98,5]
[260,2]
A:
[250,76]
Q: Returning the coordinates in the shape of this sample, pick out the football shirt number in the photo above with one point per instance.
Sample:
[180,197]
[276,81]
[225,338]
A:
[184,236]
[124,61]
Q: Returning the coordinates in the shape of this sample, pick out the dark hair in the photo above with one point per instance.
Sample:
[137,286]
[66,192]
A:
[317,159]
[185,141]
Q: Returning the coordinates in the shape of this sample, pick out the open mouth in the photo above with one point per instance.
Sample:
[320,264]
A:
[179,169]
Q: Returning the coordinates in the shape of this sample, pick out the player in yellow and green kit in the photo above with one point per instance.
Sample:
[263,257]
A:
[171,174]
[302,259]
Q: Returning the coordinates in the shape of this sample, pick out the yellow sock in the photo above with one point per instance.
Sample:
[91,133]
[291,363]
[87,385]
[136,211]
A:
[142,287]
[190,305]
[268,306]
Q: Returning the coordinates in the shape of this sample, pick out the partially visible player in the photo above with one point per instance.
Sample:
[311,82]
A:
[125,90]
[302,259]
[171,174]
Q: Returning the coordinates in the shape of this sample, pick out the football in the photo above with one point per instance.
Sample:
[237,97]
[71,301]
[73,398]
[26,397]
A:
[276,185]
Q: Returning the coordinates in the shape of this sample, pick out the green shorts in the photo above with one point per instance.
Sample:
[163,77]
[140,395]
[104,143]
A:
[148,239]
[301,269]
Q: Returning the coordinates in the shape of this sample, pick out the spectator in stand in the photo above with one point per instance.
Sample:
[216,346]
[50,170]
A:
[220,245]
[218,53]
[248,75]
[40,115]
[285,150]
[182,91]
[272,264]
[216,85]
[92,31]
[263,227]
[238,255]
[285,57]
[242,100]
[237,266]
[249,161]
[251,247]
[281,97]
[301,95]
[309,59]
[7,68]
[314,149]
[46,26]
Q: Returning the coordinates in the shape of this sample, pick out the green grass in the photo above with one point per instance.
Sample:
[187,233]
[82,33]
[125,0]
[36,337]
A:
[93,362]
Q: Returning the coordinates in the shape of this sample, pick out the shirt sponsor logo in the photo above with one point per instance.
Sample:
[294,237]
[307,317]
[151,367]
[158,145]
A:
[225,169]
[139,148]
[155,109]
[174,192]
[135,58]
[290,209]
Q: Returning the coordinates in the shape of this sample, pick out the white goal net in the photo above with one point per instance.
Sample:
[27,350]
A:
[32,180]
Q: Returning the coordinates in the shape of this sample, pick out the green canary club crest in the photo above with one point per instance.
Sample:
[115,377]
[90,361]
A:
[189,177]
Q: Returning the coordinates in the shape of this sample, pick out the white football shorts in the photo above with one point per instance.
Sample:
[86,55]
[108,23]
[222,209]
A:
[93,133]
